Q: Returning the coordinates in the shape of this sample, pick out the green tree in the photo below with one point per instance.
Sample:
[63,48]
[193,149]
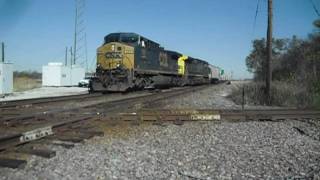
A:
[255,61]
[294,60]
[316,24]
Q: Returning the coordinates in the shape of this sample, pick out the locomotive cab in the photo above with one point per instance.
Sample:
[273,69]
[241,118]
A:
[115,62]
[117,51]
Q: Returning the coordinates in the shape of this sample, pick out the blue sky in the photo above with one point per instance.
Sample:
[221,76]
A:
[220,31]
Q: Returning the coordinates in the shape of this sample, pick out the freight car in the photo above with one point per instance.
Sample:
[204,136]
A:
[216,74]
[128,61]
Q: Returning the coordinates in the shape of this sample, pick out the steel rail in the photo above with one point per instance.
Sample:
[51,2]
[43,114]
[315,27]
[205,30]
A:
[16,139]
[43,100]
[106,106]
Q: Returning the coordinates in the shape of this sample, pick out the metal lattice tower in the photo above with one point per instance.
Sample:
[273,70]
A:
[80,37]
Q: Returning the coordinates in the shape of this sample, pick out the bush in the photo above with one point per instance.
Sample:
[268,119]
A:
[317,101]
[27,74]
[316,92]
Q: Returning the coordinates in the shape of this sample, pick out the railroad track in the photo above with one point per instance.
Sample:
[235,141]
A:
[101,107]
[28,109]
[61,123]
[78,123]
[45,100]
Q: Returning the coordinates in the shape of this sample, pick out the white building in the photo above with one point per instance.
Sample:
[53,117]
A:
[6,78]
[57,74]
[77,73]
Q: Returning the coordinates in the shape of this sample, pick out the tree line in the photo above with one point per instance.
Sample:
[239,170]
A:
[293,60]
[27,74]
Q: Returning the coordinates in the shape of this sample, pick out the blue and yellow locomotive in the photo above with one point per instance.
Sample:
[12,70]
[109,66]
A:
[128,61]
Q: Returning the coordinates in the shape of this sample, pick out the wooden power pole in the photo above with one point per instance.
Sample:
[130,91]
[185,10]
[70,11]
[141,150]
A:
[269,54]
[66,57]
[2,50]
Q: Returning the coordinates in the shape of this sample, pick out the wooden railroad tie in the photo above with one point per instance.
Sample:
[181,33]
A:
[12,163]
[171,115]
[160,115]
[46,153]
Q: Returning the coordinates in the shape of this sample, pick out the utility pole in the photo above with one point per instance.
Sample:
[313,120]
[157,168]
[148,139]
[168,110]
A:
[86,51]
[66,57]
[269,55]
[71,56]
[2,47]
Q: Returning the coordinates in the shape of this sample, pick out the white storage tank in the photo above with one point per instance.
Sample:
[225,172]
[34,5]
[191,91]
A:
[57,74]
[6,78]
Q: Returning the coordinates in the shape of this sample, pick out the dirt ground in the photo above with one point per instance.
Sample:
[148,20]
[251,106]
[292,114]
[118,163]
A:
[38,92]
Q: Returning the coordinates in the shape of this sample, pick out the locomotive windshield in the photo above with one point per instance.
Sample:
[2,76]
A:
[118,37]
[129,38]
[112,38]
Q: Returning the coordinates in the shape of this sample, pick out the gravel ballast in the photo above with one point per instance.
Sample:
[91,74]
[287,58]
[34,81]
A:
[194,150]
[203,150]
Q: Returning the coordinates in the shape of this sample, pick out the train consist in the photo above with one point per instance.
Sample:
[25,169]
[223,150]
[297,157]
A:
[128,61]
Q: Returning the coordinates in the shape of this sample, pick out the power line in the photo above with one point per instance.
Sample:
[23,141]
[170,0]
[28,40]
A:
[315,8]
[255,17]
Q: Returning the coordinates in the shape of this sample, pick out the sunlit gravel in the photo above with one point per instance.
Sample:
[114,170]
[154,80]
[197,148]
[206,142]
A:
[194,150]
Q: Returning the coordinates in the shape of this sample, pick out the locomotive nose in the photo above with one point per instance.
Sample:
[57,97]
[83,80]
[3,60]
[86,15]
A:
[113,55]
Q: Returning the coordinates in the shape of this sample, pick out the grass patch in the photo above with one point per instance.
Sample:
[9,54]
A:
[282,94]
[25,83]
[317,101]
